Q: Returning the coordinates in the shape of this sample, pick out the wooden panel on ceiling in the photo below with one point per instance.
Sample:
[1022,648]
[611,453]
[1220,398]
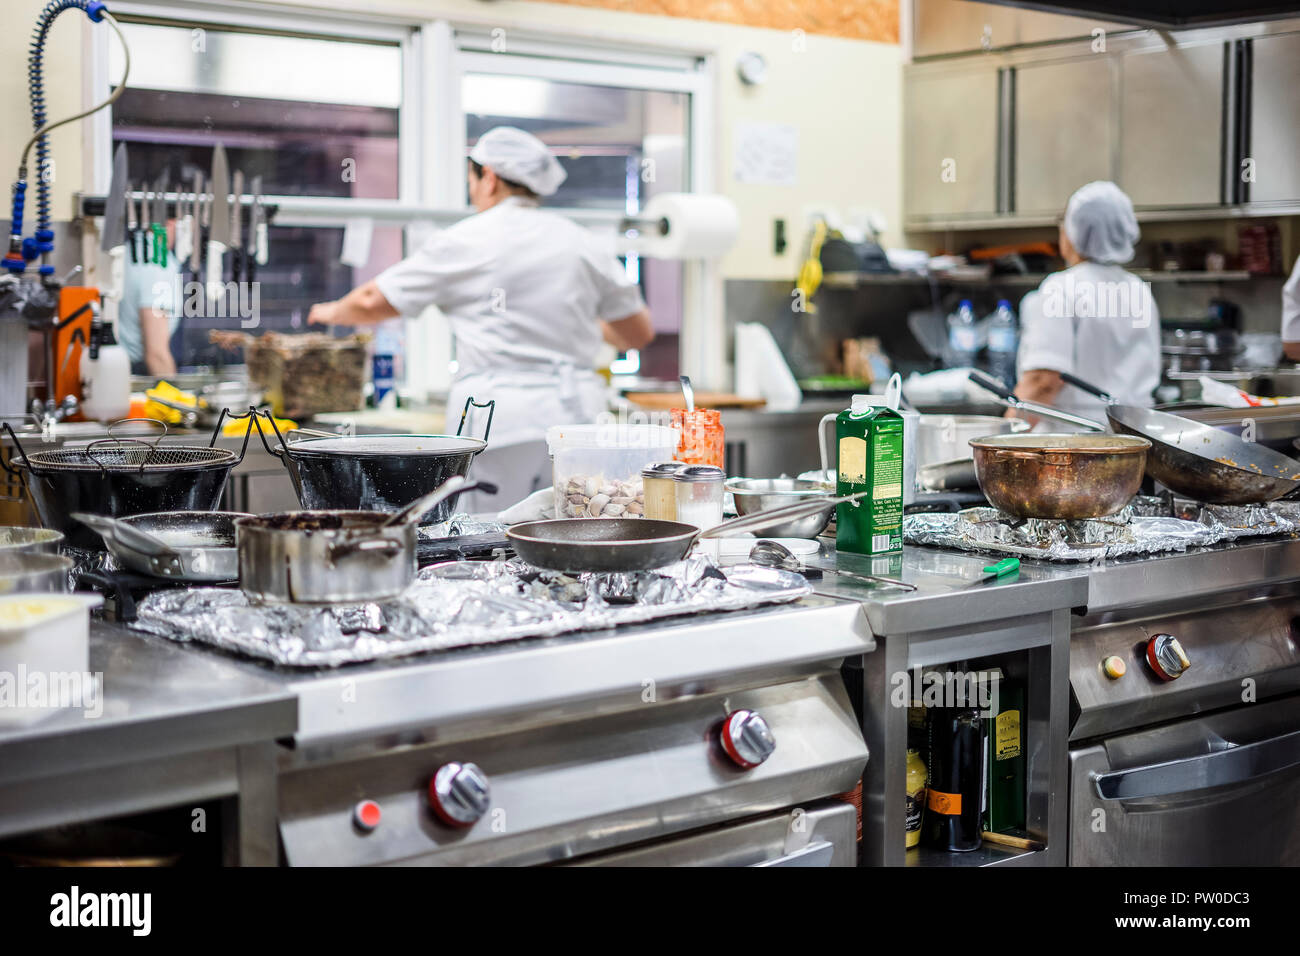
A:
[852,19]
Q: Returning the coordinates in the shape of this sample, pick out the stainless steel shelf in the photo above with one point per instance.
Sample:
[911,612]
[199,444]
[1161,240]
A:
[986,855]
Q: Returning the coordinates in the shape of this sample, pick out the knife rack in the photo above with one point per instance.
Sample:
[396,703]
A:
[86,205]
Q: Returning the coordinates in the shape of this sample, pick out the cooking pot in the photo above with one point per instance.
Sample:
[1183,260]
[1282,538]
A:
[377,472]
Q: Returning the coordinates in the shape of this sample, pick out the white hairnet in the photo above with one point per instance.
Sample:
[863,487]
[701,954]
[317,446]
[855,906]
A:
[520,157]
[1099,221]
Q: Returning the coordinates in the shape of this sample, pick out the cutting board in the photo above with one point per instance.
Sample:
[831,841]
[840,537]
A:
[663,401]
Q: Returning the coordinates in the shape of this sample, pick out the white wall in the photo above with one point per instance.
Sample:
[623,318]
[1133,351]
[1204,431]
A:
[843,95]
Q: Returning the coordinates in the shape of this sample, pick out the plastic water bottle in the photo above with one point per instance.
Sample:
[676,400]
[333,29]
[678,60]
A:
[963,338]
[1003,341]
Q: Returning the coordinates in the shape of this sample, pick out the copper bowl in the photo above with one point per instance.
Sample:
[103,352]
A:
[1058,475]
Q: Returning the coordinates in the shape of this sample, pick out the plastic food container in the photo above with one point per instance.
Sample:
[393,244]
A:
[596,469]
[45,655]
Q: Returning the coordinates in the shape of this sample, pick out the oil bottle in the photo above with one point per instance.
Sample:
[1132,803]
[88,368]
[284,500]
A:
[869,435]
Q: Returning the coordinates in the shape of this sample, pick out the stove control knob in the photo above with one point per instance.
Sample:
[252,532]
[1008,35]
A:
[1114,667]
[459,794]
[366,815]
[747,738]
[1166,657]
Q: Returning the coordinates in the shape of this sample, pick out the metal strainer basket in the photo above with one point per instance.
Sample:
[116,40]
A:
[121,454]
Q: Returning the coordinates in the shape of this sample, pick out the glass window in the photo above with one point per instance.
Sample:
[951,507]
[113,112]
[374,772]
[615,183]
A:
[312,116]
[619,147]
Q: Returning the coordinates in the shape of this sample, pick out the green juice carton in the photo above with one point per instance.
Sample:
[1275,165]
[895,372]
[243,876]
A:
[869,435]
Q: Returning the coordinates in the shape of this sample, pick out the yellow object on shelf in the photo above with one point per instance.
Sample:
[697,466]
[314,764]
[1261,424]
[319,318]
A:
[235,428]
[168,393]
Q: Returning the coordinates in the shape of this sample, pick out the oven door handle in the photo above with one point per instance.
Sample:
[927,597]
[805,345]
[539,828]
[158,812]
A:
[1235,765]
[817,853]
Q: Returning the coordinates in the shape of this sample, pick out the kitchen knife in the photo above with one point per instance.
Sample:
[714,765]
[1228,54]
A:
[257,250]
[146,223]
[995,572]
[196,246]
[219,233]
[115,204]
[159,219]
[237,226]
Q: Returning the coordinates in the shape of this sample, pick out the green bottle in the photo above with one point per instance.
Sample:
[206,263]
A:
[869,435]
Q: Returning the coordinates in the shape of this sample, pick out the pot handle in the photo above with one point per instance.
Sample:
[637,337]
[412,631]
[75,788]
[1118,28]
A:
[821,442]
[4,459]
[270,418]
[387,546]
[490,405]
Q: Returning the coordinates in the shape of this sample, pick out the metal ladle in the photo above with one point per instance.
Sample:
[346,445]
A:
[688,392]
[773,554]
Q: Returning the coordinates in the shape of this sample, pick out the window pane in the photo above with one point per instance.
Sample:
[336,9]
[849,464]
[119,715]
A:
[619,147]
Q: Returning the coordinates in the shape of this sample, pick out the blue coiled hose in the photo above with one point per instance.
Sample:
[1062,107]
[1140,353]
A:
[20,252]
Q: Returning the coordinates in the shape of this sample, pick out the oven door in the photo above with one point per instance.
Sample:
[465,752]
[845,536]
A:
[1217,790]
[823,834]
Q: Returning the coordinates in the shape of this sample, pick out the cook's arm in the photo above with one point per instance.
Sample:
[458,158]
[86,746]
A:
[364,305]
[634,331]
[155,332]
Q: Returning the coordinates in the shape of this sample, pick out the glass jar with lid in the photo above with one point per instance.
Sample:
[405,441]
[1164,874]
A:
[699,495]
[660,491]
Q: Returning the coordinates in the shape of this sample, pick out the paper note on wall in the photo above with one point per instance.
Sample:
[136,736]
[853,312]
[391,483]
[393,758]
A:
[766,154]
[356,242]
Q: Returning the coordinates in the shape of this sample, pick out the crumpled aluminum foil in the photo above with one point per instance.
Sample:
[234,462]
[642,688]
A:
[458,524]
[458,604]
[1145,526]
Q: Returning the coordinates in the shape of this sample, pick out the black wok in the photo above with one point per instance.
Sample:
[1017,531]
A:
[635,544]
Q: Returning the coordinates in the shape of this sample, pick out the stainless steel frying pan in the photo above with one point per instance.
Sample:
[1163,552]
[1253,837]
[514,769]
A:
[194,546]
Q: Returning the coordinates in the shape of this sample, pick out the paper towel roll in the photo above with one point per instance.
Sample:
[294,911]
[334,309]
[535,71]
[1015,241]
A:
[699,226]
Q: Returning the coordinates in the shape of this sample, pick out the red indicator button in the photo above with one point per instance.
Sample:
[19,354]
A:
[366,815]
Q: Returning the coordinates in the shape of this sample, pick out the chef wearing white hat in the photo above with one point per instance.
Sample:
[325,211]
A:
[1094,320]
[529,294]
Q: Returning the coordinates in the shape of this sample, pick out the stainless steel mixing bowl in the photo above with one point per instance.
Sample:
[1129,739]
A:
[762,494]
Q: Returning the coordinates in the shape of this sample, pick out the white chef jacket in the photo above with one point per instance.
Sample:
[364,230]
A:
[523,288]
[1100,323]
[1291,306]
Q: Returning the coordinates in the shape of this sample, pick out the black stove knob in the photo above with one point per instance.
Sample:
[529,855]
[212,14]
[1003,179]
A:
[747,738]
[459,794]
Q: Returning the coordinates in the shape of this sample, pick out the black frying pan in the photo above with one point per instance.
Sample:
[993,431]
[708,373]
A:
[637,544]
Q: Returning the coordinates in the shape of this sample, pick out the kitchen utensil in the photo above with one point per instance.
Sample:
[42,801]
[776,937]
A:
[134,237]
[196,246]
[946,437]
[687,392]
[180,545]
[257,233]
[753,495]
[1059,476]
[1199,461]
[34,540]
[956,474]
[158,220]
[1010,399]
[325,557]
[993,572]
[412,513]
[219,233]
[26,572]
[115,203]
[237,227]
[634,544]
[374,472]
[121,477]
[773,554]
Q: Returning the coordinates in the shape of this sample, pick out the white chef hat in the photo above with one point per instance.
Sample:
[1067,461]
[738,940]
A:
[1099,221]
[520,157]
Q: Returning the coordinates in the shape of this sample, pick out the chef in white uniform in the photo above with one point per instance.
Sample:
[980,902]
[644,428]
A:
[1094,319]
[530,295]
[1291,314]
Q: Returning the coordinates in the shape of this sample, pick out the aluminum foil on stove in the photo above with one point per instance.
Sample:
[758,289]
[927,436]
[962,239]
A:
[458,604]
[1145,526]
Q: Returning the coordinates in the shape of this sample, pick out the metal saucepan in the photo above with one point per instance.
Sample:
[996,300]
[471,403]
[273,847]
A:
[377,472]
[754,495]
[15,538]
[121,477]
[21,572]
[636,544]
[1059,476]
[333,557]
[196,546]
[1190,458]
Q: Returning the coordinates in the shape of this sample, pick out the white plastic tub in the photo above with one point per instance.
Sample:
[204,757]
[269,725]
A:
[596,469]
[45,655]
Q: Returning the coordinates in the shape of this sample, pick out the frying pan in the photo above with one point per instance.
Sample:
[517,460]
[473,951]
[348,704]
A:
[180,545]
[1190,458]
[635,544]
